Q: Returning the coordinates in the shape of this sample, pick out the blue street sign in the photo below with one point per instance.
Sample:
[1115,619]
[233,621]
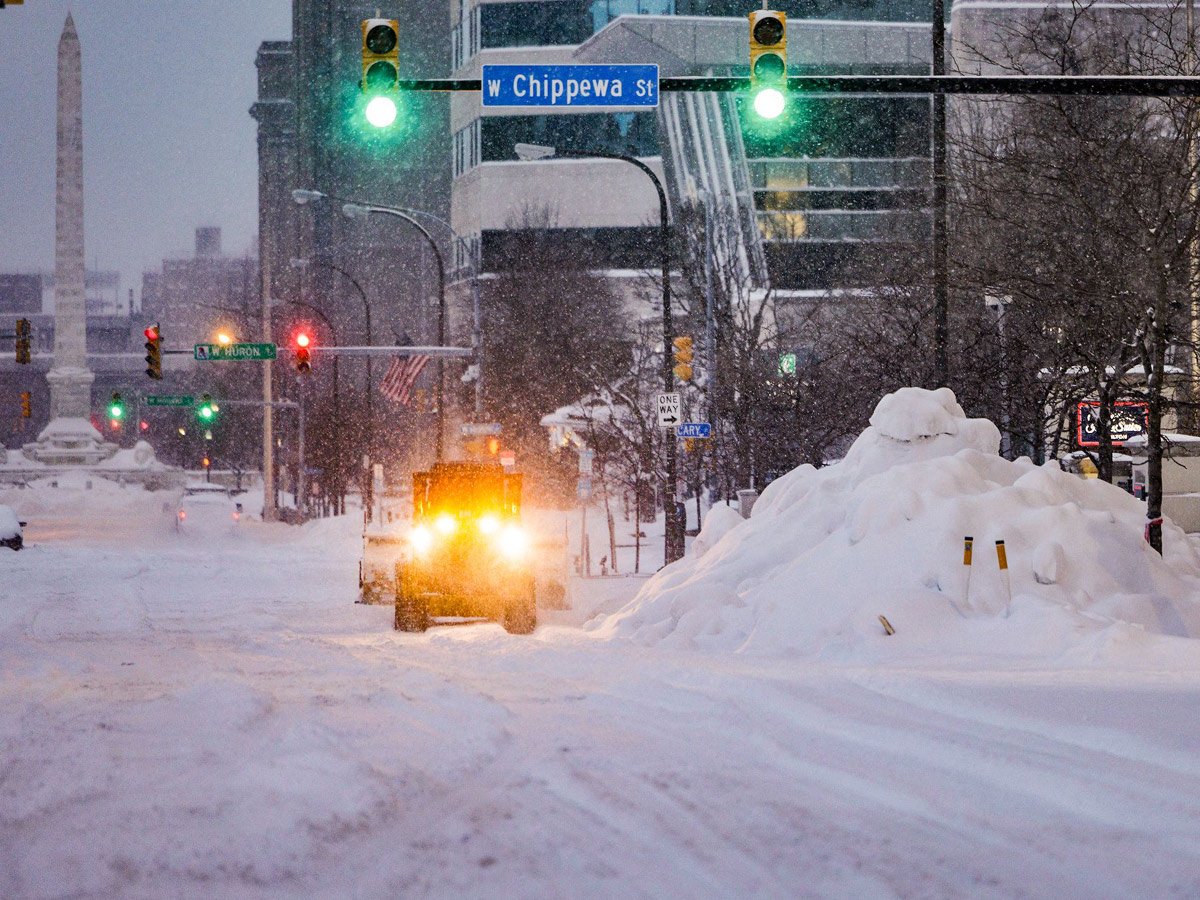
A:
[582,85]
[694,430]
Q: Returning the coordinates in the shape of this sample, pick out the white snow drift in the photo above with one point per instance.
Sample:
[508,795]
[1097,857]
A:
[882,533]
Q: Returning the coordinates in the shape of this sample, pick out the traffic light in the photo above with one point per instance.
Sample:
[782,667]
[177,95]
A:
[493,446]
[24,332]
[768,61]
[116,407]
[26,405]
[380,69]
[303,355]
[207,410]
[154,352]
[683,358]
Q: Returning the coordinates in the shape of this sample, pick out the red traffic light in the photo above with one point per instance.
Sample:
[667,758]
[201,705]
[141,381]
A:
[302,340]
[151,333]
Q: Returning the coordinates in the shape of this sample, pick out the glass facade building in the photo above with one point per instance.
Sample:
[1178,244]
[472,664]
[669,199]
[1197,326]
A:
[834,178]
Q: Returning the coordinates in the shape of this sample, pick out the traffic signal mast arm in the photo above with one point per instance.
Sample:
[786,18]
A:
[434,352]
[1084,85]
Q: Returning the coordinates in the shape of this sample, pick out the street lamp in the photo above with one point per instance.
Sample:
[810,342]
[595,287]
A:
[352,210]
[673,532]
[999,305]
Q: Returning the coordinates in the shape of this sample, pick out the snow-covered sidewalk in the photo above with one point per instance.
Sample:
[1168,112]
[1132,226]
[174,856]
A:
[217,718]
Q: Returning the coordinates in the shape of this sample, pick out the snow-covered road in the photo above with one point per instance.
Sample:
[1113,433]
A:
[216,718]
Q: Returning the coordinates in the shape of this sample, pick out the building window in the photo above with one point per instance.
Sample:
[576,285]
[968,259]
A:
[633,133]
[592,248]
[466,148]
[604,11]
[541,23]
[845,127]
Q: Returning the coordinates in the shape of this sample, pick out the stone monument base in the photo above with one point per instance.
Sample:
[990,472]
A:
[69,442]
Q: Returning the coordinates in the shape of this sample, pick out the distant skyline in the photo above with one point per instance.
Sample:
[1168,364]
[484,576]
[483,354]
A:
[169,144]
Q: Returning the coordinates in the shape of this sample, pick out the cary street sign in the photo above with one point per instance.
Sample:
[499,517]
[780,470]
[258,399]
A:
[567,85]
[694,430]
[252,352]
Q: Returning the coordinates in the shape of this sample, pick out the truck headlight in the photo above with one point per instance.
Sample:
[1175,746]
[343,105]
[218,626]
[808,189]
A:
[421,537]
[488,525]
[446,524]
[513,542]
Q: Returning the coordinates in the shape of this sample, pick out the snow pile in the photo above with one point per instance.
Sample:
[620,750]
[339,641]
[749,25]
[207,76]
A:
[827,551]
[718,522]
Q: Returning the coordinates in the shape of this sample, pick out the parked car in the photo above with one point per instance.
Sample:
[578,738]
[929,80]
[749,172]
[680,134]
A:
[10,529]
[205,508]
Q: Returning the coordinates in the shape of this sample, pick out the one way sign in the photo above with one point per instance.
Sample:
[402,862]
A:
[668,410]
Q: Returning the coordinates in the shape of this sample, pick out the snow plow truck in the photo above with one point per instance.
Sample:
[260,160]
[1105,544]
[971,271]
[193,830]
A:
[466,555]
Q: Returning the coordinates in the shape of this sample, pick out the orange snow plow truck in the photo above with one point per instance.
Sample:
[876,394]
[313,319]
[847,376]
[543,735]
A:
[466,556]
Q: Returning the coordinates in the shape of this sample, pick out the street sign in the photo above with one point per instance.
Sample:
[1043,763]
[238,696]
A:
[470,429]
[694,430]
[787,364]
[220,352]
[584,489]
[578,85]
[169,400]
[586,458]
[668,410]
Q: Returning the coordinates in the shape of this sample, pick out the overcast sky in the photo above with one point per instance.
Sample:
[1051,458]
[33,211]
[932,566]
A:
[168,139]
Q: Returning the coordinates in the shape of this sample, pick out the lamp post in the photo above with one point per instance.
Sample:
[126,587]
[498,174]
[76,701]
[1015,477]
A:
[337,406]
[999,304]
[353,210]
[361,210]
[673,531]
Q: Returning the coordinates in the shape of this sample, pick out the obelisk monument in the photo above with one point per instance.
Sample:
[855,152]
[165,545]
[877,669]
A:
[70,438]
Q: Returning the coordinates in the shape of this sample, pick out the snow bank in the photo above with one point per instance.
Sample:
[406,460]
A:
[827,551]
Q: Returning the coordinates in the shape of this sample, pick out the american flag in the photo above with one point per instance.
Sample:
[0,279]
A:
[397,383]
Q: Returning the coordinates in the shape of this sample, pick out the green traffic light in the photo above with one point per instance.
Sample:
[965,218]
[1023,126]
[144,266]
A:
[206,412]
[381,111]
[115,411]
[769,103]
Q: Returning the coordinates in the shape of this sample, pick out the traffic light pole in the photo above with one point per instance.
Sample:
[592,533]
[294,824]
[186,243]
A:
[269,406]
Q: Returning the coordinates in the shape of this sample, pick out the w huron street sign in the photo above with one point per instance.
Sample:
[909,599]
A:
[169,400]
[252,352]
[582,85]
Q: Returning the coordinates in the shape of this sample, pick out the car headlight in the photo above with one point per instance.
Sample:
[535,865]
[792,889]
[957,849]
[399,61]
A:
[513,542]
[488,525]
[421,537]
[446,524]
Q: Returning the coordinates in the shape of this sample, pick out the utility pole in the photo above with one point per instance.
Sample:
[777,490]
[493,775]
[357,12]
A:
[941,299]
[268,465]
[1192,416]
